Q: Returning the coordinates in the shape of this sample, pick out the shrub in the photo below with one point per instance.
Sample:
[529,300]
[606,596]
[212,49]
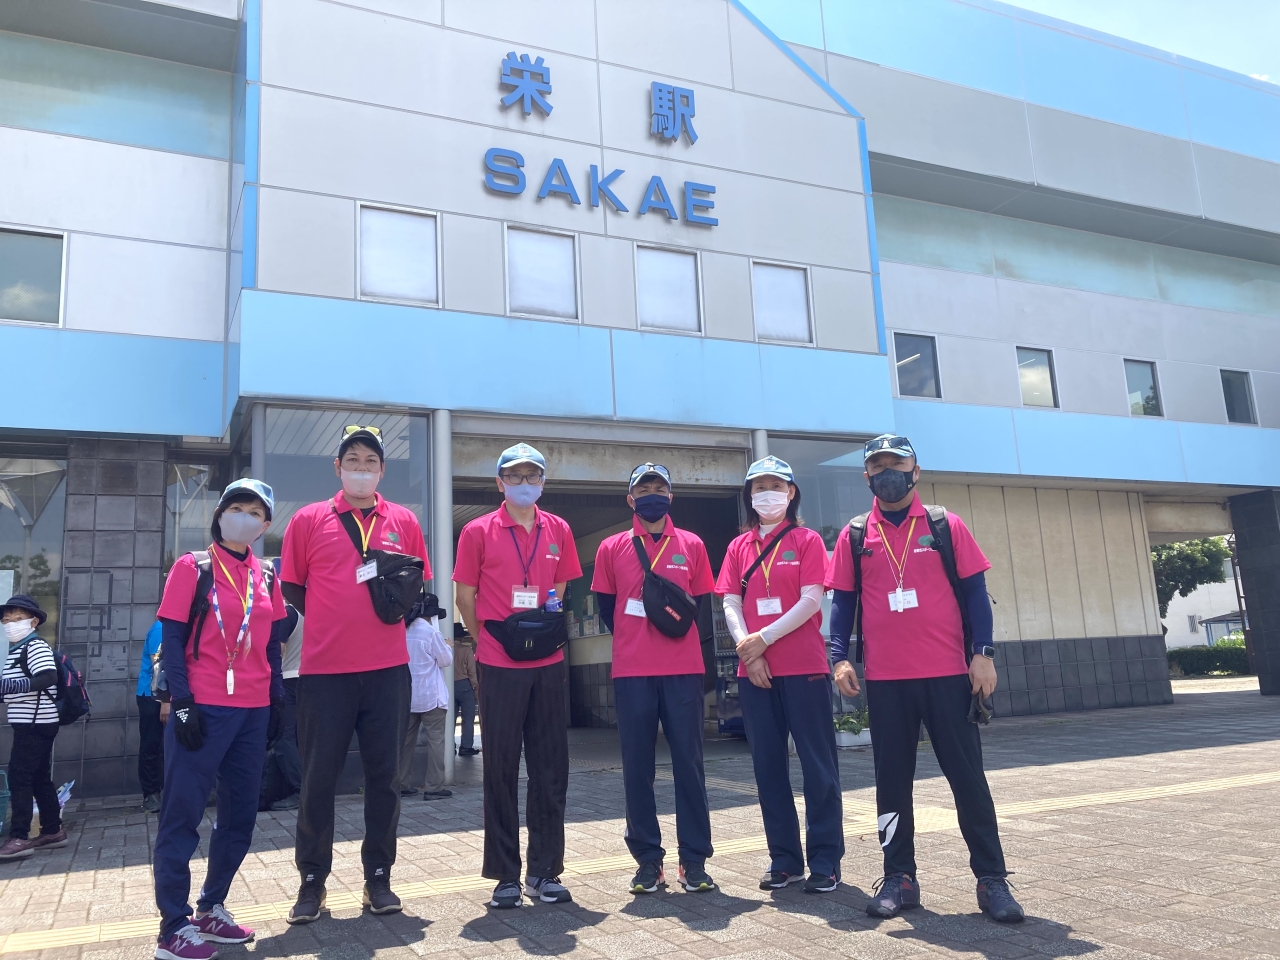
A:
[1205,660]
[1233,639]
[852,722]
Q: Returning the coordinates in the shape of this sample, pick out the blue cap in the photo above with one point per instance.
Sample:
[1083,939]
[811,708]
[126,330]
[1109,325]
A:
[646,470]
[771,467]
[887,443]
[521,453]
[256,487]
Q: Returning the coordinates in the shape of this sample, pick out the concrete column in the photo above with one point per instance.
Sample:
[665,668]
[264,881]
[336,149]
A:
[759,444]
[441,514]
[1256,520]
[258,453]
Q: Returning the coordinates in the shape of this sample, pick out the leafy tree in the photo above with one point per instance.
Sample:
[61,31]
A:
[1181,567]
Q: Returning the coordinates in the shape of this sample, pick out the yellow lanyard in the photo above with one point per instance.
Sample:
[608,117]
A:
[244,600]
[767,567]
[899,565]
[654,562]
[364,537]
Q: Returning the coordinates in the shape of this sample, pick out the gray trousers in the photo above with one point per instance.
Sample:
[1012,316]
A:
[432,724]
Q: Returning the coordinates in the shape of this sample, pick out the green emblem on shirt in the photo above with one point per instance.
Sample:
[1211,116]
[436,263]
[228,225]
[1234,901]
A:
[926,540]
[788,555]
[393,536]
[678,558]
[553,550]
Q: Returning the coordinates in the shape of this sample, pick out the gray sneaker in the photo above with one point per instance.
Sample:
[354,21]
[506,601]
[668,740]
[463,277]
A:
[546,889]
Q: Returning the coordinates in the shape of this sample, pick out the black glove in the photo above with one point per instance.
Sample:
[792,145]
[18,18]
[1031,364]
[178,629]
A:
[273,723]
[188,724]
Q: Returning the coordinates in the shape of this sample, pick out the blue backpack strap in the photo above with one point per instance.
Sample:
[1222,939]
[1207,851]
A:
[857,539]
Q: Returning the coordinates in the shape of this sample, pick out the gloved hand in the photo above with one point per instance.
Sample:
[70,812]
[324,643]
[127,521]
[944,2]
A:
[188,724]
[274,721]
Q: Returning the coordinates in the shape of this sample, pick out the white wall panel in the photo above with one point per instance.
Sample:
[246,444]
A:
[761,68]
[151,289]
[978,371]
[676,38]
[1192,391]
[306,243]
[1041,315]
[608,282]
[942,301]
[1090,382]
[427,11]
[569,25]
[726,297]
[1266,394]
[473,279]
[844,310]
[1232,340]
[74,184]
[1237,189]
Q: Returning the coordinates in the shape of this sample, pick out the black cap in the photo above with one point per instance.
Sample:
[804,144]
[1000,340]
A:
[20,601]
[428,606]
[364,435]
[460,632]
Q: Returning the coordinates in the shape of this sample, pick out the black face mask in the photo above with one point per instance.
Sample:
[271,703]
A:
[891,485]
[652,507]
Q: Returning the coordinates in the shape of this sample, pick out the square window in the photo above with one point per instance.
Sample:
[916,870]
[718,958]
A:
[781,299]
[1239,398]
[1035,373]
[30,276]
[1144,395]
[1193,623]
[917,365]
[667,289]
[541,274]
[398,256]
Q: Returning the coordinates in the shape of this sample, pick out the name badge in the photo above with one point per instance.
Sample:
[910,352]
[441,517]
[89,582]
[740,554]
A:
[524,598]
[231,682]
[765,606]
[635,608]
[366,571]
[900,600]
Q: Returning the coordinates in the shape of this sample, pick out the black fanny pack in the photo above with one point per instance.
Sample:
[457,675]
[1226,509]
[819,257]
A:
[530,634]
[398,584]
[666,606]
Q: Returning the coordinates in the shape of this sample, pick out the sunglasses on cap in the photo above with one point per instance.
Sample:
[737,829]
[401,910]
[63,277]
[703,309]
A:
[898,445]
[354,428]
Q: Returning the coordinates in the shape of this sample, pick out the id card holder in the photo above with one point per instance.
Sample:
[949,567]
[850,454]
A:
[524,598]
[231,682]
[635,608]
[903,600]
[768,606]
[366,571]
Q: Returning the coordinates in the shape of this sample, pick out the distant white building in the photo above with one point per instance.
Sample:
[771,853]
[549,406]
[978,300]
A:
[1187,614]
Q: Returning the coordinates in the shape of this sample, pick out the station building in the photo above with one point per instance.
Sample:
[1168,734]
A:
[690,231]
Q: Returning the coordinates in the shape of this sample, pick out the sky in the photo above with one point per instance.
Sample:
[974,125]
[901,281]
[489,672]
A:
[1240,35]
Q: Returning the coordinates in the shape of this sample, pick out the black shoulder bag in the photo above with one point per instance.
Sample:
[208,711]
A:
[763,554]
[398,583]
[668,607]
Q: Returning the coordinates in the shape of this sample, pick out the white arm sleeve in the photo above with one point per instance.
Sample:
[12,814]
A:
[733,617]
[810,602]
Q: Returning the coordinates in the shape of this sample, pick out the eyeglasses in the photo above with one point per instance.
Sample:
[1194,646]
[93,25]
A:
[353,428]
[515,479]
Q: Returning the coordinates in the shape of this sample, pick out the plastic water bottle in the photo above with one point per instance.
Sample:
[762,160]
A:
[553,604]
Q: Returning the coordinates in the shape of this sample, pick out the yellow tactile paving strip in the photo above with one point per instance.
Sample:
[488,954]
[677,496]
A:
[862,822]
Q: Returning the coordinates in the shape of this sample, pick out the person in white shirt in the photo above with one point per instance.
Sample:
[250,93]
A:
[429,654]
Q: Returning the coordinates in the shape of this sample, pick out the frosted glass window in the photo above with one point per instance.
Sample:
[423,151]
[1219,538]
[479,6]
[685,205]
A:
[541,276]
[398,256]
[1035,373]
[781,299]
[30,276]
[1144,395]
[1239,398]
[667,285]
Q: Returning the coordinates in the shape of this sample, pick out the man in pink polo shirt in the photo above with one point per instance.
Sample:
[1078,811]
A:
[507,562]
[354,674]
[914,629]
[657,677]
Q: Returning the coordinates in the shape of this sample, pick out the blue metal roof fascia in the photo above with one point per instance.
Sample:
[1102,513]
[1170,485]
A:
[834,94]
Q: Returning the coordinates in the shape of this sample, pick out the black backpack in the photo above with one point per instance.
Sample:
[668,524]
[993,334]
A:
[200,600]
[940,528]
[69,696]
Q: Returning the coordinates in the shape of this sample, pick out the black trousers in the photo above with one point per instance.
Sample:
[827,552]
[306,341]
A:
[288,759]
[524,708]
[896,709]
[373,705]
[464,697]
[31,775]
[150,746]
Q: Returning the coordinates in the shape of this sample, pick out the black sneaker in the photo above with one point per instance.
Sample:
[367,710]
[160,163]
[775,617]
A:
[649,877]
[996,899]
[436,794]
[695,879]
[894,892]
[820,883]
[506,895]
[408,792]
[468,751]
[379,898]
[287,803]
[151,803]
[546,889]
[777,879]
[310,902]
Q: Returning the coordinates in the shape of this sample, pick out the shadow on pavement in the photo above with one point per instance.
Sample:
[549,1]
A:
[347,938]
[538,930]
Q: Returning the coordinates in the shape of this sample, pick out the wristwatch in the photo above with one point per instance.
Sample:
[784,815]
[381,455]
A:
[987,651]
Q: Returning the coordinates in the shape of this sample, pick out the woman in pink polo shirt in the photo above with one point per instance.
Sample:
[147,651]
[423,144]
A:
[771,582]
[221,656]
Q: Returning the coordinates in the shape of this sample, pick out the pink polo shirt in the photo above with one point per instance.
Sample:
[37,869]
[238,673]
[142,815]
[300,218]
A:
[492,553]
[207,677]
[344,635]
[922,641]
[800,561]
[639,648]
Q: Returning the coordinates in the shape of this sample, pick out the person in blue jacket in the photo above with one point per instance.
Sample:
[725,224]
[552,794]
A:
[152,715]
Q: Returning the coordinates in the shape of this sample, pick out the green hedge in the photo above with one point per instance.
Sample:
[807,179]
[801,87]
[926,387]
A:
[1215,659]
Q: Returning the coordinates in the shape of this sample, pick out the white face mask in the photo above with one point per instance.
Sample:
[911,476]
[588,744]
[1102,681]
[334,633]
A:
[239,527]
[16,630]
[771,505]
[359,484]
